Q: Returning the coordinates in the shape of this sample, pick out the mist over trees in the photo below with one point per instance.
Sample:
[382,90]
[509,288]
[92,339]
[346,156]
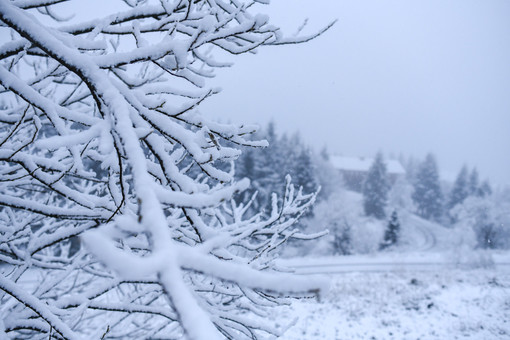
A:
[356,228]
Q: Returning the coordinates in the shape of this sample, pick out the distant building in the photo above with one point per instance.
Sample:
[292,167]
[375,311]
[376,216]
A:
[354,170]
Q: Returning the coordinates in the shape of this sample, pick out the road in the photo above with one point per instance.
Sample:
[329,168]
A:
[396,262]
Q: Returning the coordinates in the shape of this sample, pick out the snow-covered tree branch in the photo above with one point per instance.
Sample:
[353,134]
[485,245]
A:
[117,217]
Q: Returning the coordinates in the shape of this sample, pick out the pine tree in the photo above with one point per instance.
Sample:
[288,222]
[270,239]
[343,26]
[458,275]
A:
[304,172]
[325,154]
[246,169]
[461,189]
[375,189]
[341,237]
[267,168]
[485,189]
[474,185]
[267,175]
[392,233]
[411,167]
[427,193]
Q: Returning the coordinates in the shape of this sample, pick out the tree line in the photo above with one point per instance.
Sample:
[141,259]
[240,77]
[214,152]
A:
[419,191]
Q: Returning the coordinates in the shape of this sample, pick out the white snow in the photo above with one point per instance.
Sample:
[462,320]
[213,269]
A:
[439,304]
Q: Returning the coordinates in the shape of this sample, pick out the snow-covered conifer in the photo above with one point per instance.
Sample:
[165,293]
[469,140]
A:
[325,154]
[461,188]
[485,189]
[427,194]
[474,183]
[391,235]
[342,237]
[305,171]
[375,189]
[400,195]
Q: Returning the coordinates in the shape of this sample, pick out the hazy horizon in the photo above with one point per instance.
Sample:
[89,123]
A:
[397,77]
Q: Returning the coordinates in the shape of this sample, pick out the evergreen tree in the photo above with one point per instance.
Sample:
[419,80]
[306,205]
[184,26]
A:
[325,154]
[266,168]
[305,172]
[411,167]
[427,193]
[474,185]
[392,233]
[267,175]
[485,189]
[341,237]
[292,147]
[375,189]
[246,164]
[329,178]
[246,169]
[461,189]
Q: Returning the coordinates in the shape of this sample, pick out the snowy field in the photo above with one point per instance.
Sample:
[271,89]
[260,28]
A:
[406,304]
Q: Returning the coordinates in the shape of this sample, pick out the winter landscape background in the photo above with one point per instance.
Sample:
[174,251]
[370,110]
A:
[367,198]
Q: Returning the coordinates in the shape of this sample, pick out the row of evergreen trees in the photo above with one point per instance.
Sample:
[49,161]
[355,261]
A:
[428,195]
[267,168]
[435,203]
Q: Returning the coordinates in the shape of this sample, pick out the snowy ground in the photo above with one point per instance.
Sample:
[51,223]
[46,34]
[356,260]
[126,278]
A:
[439,304]
[432,286]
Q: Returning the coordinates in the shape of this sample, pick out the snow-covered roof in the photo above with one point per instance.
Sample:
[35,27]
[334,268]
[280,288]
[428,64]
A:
[364,163]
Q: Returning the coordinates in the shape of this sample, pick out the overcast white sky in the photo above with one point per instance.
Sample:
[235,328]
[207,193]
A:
[399,76]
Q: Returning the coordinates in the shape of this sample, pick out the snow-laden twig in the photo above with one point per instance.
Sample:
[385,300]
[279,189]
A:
[116,195]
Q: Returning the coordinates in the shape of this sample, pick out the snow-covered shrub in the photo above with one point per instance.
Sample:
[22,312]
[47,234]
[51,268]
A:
[466,257]
[100,139]
[488,218]
[367,235]
[349,231]
[338,214]
[400,195]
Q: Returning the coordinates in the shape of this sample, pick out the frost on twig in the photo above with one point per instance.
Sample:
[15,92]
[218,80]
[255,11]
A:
[117,217]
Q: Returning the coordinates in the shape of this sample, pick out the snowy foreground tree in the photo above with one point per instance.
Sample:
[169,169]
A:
[117,217]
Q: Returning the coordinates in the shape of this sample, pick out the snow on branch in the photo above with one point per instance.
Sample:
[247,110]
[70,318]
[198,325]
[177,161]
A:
[117,209]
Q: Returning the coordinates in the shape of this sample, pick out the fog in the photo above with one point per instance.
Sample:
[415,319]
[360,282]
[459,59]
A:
[396,76]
